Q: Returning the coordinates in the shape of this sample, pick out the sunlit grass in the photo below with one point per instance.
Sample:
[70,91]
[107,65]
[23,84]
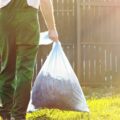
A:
[104,108]
[55,114]
[103,104]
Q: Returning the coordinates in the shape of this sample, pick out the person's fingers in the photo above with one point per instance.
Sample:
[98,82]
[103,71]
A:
[53,35]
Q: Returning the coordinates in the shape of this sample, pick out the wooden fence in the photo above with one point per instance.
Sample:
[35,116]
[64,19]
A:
[90,34]
[99,41]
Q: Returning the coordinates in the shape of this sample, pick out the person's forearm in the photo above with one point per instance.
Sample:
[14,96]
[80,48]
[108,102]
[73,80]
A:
[46,7]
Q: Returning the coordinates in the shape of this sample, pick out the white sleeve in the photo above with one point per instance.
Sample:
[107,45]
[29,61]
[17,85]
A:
[34,3]
[4,3]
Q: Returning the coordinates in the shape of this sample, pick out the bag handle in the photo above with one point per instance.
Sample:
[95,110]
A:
[57,44]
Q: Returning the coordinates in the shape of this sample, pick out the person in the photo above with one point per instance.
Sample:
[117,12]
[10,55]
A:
[19,38]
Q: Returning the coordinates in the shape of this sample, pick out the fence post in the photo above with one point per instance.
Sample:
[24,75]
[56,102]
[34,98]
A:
[78,39]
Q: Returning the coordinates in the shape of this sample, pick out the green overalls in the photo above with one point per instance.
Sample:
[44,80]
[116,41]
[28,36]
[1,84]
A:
[19,37]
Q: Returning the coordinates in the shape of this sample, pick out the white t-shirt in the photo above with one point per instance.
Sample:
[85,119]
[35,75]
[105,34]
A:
[33,3]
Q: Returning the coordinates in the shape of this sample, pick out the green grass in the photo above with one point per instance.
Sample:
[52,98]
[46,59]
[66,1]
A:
[104,104]
[105,108]
[55,114]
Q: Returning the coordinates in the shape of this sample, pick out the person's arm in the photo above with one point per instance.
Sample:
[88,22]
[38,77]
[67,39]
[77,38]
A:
[46,7]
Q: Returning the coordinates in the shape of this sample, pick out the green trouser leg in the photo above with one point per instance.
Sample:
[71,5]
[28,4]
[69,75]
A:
[22,84]
[19,31]
[7,74]
[17,65]
[24,72]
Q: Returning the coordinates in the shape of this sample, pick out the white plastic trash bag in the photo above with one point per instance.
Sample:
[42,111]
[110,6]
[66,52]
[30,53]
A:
[30,107]
[56,85]
[44,38]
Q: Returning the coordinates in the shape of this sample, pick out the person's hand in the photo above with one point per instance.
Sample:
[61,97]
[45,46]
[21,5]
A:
[53,35]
